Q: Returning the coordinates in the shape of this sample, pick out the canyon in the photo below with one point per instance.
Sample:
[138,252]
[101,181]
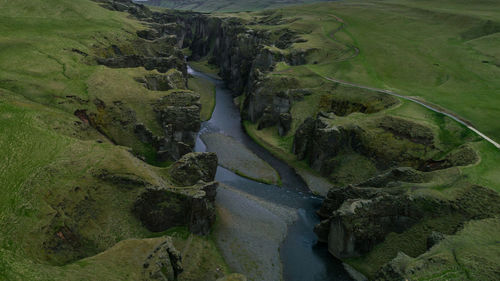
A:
[394,187]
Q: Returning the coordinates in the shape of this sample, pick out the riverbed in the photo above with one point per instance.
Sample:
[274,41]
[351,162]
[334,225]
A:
[265,231]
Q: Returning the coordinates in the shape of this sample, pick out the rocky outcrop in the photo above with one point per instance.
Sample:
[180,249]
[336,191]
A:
[270,100]
[389,143]
[194,167]
[160,208]
[358,218]
[123,180]
[136,10]
[301,142]
[462,156]
[393,271]
[359,224]
[285,123]
[395,176]
[319,142]
[160,53]
[179,116]
[177,113]
[158,82]
[405,129]
[337,196]
[164,263]
[356,101]
[162,64]
[434,238]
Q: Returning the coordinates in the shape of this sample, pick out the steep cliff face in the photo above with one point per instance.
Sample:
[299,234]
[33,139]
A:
[192,204]
[244,56]
[359,217]
[240,52]
[386,142]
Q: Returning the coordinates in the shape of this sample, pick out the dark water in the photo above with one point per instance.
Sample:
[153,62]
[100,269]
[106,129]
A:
[302,259]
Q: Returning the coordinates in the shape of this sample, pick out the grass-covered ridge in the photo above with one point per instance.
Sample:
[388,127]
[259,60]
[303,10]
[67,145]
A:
[225,5]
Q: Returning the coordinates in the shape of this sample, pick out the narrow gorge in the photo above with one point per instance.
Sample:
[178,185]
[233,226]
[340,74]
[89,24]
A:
[349,128]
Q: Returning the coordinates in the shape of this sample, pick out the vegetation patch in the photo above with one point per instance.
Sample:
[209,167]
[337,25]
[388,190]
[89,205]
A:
[206,90]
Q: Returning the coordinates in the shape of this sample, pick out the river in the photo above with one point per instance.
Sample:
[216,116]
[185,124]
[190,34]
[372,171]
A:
[300,257]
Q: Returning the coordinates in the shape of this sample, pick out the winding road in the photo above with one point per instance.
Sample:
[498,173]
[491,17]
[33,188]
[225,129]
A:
[426,105]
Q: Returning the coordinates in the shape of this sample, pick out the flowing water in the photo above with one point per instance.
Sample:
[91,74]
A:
[301,257]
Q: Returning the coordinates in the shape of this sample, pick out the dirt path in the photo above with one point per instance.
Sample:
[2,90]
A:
[424,104]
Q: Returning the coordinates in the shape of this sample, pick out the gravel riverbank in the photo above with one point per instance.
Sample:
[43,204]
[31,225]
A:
[249,233]
[233,155]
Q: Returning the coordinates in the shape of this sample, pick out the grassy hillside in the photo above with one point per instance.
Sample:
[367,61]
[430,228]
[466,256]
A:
[59,218]
[225,5]
[439,51]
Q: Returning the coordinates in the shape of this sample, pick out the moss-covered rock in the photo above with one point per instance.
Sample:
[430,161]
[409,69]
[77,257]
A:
[164,262]
[358,218]
[161,208]
[194,167]
[163,82]
[406,129]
